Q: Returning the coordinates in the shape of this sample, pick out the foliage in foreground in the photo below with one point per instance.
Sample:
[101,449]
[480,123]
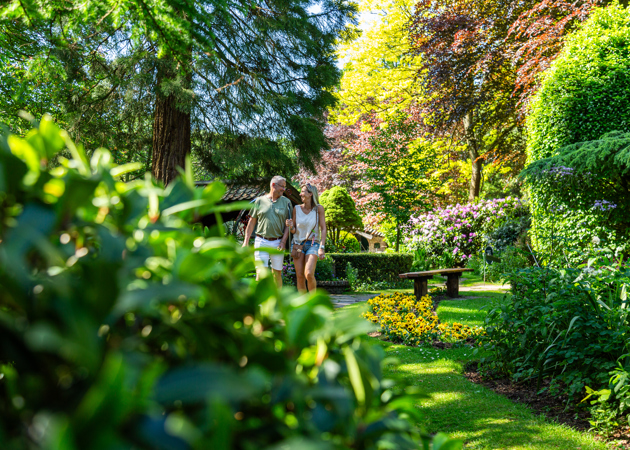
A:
[569,325]
[404,319]
[123,327]
[580,188]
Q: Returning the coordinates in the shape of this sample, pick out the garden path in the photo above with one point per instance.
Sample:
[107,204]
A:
[341,300]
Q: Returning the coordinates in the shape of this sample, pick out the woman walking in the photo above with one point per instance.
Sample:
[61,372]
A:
[310,233]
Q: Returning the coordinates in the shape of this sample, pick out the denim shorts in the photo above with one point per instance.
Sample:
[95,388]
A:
[310,249]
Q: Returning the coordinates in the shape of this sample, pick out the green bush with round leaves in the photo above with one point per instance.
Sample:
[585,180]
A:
[123,326]
[579,163]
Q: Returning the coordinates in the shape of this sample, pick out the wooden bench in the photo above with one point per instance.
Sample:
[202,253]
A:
[421,281]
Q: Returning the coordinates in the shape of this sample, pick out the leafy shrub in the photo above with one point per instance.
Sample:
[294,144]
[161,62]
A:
[369,285]
[404,319]
[566,324]
[476,263]
[353,276]
[341,213]
[511,259]
[421,261]
[288,271]
[509,232]
[373,266]
[452,235]
[347,243]
[122,326]
[610,407]
[324,269]
[576,145]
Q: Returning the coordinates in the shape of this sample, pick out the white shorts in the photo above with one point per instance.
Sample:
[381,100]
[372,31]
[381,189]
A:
[277,260]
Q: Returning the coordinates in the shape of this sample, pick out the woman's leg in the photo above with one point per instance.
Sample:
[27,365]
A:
[299,274]
[309,272]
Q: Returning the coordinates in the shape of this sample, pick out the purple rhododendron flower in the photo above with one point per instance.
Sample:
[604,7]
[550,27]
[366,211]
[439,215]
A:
[604,205]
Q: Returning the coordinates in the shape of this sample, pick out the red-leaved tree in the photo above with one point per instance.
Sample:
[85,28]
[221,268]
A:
[332,169]
[536,36]
[467,80]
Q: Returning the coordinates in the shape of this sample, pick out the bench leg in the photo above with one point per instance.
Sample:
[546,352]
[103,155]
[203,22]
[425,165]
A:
[421,287]
[452,285]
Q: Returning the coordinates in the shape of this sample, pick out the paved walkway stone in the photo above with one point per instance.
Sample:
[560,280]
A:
[342,300]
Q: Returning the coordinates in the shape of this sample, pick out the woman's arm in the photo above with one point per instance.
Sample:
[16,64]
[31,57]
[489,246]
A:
[322,228]
[290,222]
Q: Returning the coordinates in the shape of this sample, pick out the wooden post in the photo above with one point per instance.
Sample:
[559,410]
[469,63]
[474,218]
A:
[421,286]
[452,284]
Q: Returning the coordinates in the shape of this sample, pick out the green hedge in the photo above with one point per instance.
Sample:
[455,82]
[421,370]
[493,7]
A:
[375,266]
[583,96]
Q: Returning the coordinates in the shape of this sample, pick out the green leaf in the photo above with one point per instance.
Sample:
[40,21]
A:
[187,206]
[443,442]
[191,385]
[126,168]
[142,299]
[301,443]
[354,372]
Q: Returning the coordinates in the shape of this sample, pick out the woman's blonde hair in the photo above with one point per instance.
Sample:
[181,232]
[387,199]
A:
[313,190]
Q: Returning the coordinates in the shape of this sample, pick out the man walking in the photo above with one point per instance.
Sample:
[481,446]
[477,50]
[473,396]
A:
[270,214]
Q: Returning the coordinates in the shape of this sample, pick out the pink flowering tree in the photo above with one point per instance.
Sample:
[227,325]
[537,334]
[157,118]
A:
[457,232]
[393,163]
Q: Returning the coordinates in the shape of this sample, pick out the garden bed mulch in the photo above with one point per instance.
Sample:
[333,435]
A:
[552,407]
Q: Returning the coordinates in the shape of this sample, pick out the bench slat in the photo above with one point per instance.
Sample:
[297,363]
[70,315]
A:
[433,272]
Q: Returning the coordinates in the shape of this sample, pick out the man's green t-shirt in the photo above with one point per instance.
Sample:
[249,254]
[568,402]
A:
[271,216]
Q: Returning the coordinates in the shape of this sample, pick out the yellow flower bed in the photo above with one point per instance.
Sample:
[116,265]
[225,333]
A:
[403,319]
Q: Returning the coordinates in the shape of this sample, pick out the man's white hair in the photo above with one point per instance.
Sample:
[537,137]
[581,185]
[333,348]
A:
[277,179]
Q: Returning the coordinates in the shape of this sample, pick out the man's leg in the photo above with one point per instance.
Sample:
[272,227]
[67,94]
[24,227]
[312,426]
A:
[260,255]
[277,263]
[277,275]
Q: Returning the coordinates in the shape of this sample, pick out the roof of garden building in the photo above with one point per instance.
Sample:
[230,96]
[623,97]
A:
[249,190]
[373,232]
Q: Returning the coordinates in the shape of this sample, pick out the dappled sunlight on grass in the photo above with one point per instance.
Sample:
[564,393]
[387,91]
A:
[469,312]
[470,412]
[427,369]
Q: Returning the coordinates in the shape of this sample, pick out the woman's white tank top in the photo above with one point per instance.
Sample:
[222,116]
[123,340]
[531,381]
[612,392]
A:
[305,224]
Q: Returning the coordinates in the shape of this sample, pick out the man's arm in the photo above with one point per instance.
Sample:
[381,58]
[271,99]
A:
[283,242]
[249,230]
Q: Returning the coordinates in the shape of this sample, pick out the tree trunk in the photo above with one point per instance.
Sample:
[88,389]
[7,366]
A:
[171,131]
[475,161]
[475,177]
[397,236]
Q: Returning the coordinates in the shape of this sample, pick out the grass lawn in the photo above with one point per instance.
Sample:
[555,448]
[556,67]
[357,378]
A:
[464,410]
